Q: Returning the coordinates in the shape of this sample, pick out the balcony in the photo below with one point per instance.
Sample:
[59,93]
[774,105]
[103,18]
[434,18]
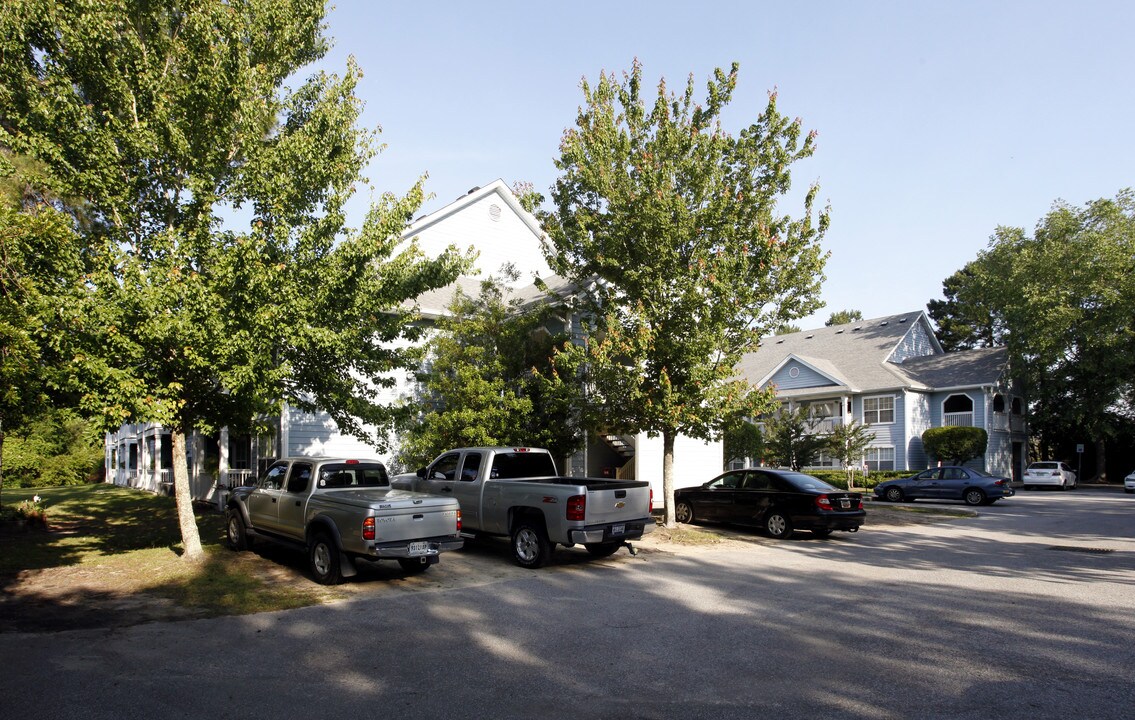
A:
[962,419]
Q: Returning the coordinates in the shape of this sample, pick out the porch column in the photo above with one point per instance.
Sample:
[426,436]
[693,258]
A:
[157,458]
[223,461]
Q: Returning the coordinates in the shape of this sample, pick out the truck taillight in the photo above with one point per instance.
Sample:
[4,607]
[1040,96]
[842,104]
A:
[576,507]
[368,529]
[458,521]
[650,502]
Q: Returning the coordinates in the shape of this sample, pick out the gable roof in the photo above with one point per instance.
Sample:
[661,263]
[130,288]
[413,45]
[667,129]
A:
[858,354]
[496,187]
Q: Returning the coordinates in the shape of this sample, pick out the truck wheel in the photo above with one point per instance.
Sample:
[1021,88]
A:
[530,545]
[603,549]
[413,566]
[235,532]
[324,556]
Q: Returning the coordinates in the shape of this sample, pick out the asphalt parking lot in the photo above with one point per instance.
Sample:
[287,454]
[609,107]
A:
[1022,611]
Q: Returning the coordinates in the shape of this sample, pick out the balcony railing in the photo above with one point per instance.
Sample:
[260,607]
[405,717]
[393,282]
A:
[963,419]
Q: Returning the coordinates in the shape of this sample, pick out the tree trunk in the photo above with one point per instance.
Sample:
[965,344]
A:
[668,476]
[1101,460]
[190,537]
[1,463]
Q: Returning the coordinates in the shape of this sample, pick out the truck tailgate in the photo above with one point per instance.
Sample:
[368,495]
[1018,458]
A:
[612,506]
[404,515]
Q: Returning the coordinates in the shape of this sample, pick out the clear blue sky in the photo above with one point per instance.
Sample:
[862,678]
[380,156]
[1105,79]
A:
[937,121]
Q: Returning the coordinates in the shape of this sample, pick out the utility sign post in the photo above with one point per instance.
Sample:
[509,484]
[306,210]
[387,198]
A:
[1079,460]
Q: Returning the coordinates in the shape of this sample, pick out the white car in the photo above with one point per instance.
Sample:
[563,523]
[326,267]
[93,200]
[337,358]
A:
[1129,482]
[1049,472]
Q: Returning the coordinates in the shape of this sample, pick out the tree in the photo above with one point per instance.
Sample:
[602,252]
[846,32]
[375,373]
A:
[1061,301]
[955,445]
[486,381]
[842,317]
[163,117]
[669,226]
[742,439]
[964,321]
[847,442]
[791,439]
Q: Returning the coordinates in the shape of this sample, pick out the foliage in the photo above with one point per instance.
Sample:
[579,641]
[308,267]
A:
[742,439]
[964,320]
[847,442]
[162,119]
[488,381]
[58,448]
[669,227]
[31,511]
[1061,300]
[842,317]
[791,439]
[955,445]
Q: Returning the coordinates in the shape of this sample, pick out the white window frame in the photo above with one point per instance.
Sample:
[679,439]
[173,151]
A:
[874,462]
[879,410]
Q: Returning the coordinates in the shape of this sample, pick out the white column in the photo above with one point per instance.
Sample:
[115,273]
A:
[223,463]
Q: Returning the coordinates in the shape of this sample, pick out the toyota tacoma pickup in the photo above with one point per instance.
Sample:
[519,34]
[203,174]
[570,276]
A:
[516,492]
[338,510]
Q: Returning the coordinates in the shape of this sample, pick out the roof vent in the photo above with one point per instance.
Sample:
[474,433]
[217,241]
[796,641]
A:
[473,190]
[882,323]
[902,320]
[838,332]
[495,212]
[857,327]
[809,337]
[780,342]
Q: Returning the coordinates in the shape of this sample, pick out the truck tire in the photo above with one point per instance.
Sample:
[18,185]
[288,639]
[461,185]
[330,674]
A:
[413,566]
[603,550]
[530,545]
[235,531]
[324,556]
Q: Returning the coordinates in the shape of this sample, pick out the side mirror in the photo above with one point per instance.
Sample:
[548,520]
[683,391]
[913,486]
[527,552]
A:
[421,473]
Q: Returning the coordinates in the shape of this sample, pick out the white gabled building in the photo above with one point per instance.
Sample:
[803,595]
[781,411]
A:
[487,220]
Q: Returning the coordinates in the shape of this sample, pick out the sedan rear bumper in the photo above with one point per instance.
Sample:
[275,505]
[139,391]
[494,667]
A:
[831,521]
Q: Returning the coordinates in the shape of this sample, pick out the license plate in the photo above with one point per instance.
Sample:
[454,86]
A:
[419,548]
[618,529]
[845,503]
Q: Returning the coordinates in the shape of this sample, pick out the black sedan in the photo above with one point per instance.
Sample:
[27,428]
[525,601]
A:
[778,501]
[952,482]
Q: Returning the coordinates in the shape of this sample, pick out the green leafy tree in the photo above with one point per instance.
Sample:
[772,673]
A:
[847,443]
[40,269]
[742,439]
[1061,300]
[162,117]
[964,320]
[955,445]
[57,448]
[791,438]
[842,317]
[488,381]
[669,226]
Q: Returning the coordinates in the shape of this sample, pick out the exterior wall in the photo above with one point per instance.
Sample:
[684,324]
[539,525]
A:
[916,343]
[806,377]
[498,235]
[918,421]
[695,462]
[887,434]
[315,433]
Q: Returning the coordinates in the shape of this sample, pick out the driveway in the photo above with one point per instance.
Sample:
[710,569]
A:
[1022,611]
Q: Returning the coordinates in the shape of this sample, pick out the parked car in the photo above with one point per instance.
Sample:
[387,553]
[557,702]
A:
[1129,482]
[778,501]
[1049,472]
[952,482]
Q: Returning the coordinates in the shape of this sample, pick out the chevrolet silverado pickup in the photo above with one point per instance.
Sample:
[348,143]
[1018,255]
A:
[338,510]
[516,492]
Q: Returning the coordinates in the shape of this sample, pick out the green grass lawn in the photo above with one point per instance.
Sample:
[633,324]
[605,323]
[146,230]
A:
[127,542]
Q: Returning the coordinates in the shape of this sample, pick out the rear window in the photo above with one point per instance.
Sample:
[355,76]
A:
[343,475]
[511,465]
[800,481]
[1043,466]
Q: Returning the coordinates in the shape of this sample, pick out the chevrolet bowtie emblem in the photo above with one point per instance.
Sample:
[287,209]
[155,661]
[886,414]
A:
[620,504]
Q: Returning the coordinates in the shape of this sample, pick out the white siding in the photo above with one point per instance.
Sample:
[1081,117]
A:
[506,239]
[695,462]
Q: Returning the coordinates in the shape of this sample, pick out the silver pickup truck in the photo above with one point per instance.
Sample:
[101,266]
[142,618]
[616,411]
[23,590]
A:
[338,510]
[516,492]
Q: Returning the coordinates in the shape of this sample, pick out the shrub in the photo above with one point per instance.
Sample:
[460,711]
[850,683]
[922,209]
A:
[955,445]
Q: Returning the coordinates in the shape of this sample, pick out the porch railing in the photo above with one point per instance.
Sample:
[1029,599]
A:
[962,419]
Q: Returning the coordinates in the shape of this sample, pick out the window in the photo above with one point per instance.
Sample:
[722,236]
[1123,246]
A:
[999,403]
[274,478]
[881,458]
[879,409]
[299,477]
[470,467]
[445,468]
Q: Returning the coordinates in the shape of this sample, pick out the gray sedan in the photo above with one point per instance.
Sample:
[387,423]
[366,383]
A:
[952,482]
